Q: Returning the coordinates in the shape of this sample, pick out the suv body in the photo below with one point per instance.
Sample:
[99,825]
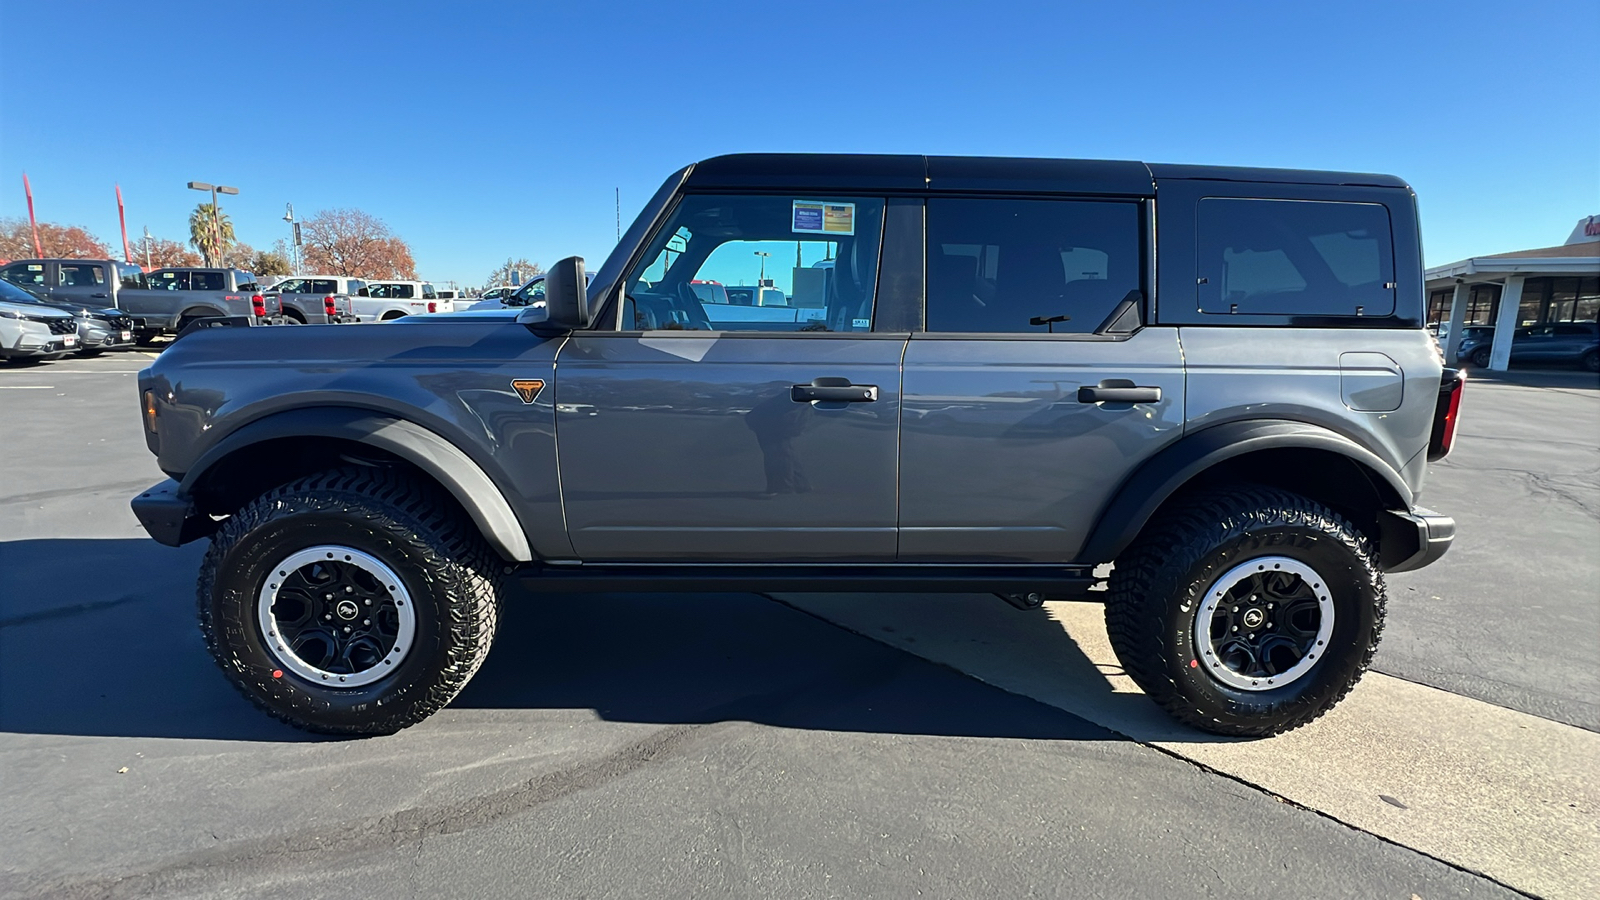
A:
[317,299]
[1573,343]
[124,286]
[99,328]
[31,330]
[994,387]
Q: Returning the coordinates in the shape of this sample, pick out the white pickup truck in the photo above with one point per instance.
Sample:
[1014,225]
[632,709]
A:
[382,301]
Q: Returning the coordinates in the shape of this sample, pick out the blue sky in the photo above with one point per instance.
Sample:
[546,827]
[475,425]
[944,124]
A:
[481,131]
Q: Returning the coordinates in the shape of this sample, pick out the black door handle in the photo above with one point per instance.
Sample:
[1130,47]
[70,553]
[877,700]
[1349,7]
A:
[1118,390]
[98,296]
[830,389]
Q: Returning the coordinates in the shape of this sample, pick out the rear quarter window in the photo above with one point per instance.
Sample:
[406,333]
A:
[1295,257]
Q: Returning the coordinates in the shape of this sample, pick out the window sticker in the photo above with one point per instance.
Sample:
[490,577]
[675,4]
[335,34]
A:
[861,323]
[812,217]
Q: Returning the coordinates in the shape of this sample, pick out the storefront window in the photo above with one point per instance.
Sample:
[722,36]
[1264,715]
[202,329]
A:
[1481,303]
[1586,307]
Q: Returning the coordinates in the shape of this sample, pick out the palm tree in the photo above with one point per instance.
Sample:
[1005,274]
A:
[204,225]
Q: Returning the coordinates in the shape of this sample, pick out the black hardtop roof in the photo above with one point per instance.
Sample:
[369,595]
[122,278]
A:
[997,174]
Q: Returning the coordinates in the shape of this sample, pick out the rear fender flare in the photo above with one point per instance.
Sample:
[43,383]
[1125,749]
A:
[423,448]
[1164,474]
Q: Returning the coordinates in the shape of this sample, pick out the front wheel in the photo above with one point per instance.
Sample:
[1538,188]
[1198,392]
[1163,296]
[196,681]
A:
[1480,357]
[1247,612]
[355,601]
[1591,361]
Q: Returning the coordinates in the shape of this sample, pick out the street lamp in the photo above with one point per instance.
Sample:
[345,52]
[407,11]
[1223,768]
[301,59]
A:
[216,216]
[288,216]
[761,280]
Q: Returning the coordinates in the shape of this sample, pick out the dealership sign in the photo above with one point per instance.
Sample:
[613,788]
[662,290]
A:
[1588,230]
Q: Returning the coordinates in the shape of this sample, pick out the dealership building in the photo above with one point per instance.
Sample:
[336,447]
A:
[1545,288]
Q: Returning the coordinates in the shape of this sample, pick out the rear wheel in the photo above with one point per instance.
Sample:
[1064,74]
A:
[1480,357]
[355,601]
[1591,360]
[1247,612]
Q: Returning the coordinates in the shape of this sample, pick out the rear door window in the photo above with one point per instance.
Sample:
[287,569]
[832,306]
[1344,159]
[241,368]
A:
[208,281]
[26,274]
[322,286]
[1295,257]
[170,281]
[79,275]
[1030,266]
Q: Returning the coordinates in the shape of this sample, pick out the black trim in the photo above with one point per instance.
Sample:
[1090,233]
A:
[170,517]
[1055,581]
[899,306]
[1143,492]
[1411,540]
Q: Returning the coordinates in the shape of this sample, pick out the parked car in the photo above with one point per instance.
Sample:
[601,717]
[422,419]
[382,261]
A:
[385,301]
[497,293]
[30,330]
[317,299]
[124,286]
[1574,343]
[99,329]
[990,403]
[530,293]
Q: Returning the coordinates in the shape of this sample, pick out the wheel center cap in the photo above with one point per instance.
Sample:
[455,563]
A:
[1252,618]
[347,609]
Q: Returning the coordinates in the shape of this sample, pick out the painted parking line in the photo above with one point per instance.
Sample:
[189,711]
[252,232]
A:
[26,387]
[1491,790]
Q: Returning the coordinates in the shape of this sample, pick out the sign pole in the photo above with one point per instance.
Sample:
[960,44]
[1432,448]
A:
[27,188]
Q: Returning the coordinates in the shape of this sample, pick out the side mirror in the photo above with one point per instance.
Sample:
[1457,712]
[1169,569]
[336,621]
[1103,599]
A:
[566,295]
[363,293]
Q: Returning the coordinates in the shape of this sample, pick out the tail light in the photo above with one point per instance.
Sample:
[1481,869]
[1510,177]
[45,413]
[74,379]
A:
[258,306]
[1446,413]
[433,307]
[328,306]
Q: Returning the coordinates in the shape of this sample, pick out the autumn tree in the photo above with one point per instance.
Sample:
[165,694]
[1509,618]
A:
[351,242]
[157,253]
[239,255]
[514,271]
[210,232]
[69,241]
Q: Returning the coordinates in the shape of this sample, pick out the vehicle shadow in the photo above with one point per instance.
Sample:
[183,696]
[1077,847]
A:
[97,637]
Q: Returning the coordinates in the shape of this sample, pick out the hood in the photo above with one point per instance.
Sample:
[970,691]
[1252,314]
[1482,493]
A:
[30,310]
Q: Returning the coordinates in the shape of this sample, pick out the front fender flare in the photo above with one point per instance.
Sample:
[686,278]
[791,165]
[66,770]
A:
[1137,499]
[425,449]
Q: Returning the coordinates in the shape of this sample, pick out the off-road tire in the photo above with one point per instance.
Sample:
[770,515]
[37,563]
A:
[1159,581]
[451,575]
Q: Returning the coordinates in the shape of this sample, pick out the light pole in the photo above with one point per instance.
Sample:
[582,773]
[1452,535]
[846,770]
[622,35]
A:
[216,215]
[761,280]
[147,248]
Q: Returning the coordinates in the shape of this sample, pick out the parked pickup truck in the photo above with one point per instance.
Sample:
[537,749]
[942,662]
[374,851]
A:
[124,286]
[383,301]
[316,299]
[989,403]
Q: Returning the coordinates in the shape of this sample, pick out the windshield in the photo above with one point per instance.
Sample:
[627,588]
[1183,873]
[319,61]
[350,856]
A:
[10,293]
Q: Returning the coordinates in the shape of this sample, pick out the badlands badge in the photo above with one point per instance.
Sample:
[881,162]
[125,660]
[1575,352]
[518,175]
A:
[527,388]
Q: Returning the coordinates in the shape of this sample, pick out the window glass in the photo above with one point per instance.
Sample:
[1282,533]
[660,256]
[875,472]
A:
[776,263]
[208,281]
[79,275]
[428,293]
[131,276]
[291,286]
[1029,266]
[26,274]
[322,286]
[169,281]
[1587,307]
[1295,257]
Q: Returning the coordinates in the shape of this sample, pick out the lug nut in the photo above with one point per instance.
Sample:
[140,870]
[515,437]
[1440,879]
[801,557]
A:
[349,590]
[327,596]
[367,601]
[329,617]
[347,629]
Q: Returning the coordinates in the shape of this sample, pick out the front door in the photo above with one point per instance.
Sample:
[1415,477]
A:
[1020,421]
[704,429]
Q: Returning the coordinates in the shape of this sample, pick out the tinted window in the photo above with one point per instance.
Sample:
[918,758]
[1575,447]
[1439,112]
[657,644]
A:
[322,286]
[27,274]
[772,246]
[1011,266]
[290,286]
[79,275]
[428,292]
[131,276]
[208,281]
[1295,257]
[170,281]
[13,294]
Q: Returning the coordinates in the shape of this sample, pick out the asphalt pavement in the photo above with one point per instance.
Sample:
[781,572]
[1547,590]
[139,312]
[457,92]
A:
[718,745]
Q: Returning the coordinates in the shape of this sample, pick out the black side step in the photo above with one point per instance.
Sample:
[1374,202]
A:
[1052,581]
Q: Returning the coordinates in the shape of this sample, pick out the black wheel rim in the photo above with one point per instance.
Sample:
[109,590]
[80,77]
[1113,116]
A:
[336,615]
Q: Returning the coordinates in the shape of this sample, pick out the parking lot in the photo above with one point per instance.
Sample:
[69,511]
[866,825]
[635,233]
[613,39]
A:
[800,745]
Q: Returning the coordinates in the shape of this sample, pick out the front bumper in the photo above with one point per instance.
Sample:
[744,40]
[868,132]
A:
[170,517]
[1411,540]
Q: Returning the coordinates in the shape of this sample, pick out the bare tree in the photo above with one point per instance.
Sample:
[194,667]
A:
[164,253]
[514,271]
[72,241]
[351,242]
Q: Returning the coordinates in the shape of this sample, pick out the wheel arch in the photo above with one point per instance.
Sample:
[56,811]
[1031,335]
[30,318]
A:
[200,312]
[1307,459]
[281,447]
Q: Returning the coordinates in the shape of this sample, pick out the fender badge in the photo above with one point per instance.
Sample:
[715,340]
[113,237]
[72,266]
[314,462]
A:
[527,388]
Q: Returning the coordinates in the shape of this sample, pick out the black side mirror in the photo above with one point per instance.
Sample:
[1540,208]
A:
[363,293]
[566,298]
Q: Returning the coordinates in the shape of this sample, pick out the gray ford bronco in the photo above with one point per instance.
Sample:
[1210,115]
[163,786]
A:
[986,376]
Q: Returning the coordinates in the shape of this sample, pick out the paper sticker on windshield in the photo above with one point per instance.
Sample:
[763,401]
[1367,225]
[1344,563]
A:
[811,217]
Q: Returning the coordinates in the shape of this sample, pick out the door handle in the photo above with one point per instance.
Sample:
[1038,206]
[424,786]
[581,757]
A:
[1118,390]
[830,389]
[98,296]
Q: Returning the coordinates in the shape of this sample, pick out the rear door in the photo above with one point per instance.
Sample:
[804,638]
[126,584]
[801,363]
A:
[1008,449]
[686,438]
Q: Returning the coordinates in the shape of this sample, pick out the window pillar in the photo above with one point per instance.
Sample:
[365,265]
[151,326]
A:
[1458,318]
[1505,324]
